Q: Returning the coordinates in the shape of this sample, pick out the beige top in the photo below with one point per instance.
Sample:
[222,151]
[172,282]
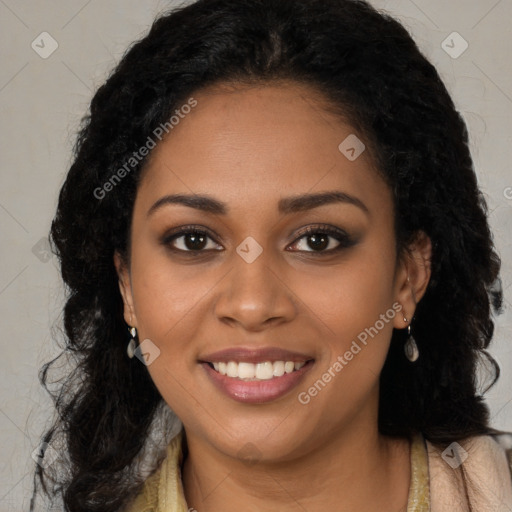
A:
[434,485]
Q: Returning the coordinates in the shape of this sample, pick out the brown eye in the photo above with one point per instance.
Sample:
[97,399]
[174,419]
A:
[318,241]
[190,240]
[194,241]
[323,240]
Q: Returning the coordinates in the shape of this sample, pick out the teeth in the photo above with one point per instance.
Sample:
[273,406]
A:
[264,371]
[232,369]
[245,371]
[278,368]
[258,371]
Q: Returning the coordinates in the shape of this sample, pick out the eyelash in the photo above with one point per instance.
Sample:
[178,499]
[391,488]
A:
[345,241]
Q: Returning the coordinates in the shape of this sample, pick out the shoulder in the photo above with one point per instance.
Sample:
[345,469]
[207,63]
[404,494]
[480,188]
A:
[486,463]
[505,441]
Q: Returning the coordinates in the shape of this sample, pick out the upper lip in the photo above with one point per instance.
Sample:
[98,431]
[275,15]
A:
[252,355]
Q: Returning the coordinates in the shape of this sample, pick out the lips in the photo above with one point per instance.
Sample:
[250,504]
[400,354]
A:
[245,374]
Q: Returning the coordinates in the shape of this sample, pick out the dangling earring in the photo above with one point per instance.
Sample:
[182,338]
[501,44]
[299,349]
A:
[411,349]
[132,345]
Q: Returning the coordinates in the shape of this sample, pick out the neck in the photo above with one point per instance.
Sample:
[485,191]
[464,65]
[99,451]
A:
[353,469]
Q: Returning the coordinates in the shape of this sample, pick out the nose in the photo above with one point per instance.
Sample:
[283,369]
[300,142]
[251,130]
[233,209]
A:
[255,296]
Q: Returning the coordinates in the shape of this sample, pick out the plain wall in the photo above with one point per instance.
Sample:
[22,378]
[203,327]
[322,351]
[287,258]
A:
[42,101]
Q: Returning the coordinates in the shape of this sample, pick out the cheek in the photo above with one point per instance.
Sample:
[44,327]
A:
[350,296]
[165,293]
[170,303]
[169,300]
[356,304]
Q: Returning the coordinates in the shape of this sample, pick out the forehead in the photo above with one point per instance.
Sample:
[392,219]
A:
[256,144]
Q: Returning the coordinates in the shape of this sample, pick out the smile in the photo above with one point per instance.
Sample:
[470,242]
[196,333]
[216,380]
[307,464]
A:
[256,383]
[253,372]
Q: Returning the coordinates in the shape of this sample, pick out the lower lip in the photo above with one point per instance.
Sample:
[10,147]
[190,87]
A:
[256,391]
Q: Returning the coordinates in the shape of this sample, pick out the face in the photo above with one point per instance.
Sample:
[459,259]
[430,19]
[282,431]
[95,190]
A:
[279,254]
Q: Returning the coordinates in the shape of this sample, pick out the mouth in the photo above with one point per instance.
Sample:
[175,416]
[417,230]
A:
[257,381]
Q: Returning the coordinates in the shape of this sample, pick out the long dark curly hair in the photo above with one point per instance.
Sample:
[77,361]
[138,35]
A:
[367,66]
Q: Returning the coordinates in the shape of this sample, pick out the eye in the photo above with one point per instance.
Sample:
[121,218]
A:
[190,239]
[323,239]
[320,239]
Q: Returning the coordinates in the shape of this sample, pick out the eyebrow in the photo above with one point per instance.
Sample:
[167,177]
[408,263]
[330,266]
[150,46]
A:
[286,205]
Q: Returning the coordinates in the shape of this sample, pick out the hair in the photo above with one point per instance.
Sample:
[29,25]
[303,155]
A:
[368,68]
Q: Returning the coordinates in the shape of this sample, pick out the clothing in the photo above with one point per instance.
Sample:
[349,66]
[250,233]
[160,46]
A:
[433,487]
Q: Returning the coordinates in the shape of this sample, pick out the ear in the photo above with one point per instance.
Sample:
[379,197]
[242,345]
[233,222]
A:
[412,277]
[125,288]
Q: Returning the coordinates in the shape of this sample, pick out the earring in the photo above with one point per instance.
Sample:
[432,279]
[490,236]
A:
[132,345]
[411,349]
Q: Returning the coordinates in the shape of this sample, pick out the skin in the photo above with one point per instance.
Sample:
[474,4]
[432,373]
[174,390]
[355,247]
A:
[249,146]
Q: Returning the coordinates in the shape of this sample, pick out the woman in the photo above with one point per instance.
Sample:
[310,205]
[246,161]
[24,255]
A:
[273,229]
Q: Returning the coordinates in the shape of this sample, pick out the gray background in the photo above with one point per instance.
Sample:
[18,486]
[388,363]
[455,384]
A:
[43,99]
